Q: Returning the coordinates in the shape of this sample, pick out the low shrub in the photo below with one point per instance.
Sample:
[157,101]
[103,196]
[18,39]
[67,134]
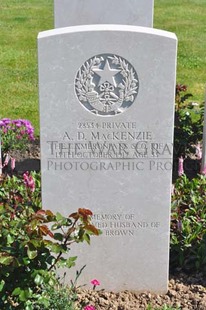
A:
[34,243]
[188,224]
[15,135]
[188,123]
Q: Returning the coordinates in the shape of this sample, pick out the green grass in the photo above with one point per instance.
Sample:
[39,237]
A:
[20,22]
[186,18]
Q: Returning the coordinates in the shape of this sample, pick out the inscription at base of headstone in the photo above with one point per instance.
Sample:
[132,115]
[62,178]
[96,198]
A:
[106,115]
[81,12]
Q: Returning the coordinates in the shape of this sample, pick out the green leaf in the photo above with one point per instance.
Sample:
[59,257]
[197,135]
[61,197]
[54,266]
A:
[31,251]
[57,248]
[24,295]
[29,307]
[6,260]
[59,217]
[2,283]
[36,243]
[70,262]
[58,236]
[26,260]
[62,262]
[38,279]
[10,239]
[87,238]
[16,291]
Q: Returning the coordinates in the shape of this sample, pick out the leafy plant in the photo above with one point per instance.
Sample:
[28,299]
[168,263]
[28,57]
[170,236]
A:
[15,135]
[188,123]
[58,297]
[34,243]
[188,225]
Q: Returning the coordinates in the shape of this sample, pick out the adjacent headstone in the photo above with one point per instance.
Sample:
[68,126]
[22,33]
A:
[203,161]
[106,113]
[0,157]
[125,12]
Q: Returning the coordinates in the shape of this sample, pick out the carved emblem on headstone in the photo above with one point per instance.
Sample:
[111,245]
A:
[106,84]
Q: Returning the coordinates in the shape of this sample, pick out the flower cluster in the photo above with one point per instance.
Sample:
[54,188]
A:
[15,134]
[29,181]
[20,126]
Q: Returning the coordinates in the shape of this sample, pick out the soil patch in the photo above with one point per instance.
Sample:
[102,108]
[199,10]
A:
[185,292]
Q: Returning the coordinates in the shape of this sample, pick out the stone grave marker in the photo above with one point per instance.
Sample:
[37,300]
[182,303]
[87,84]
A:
[106,118]
[87,12]
[0,157]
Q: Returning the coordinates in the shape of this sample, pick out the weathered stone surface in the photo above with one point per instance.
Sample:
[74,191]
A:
[106,114]
[81,12]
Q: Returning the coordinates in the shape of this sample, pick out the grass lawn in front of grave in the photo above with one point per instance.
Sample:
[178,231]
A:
[186,18]
[21,20]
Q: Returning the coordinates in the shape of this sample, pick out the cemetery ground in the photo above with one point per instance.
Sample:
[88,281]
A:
[187,285]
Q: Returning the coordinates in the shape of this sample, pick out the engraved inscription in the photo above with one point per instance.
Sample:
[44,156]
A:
[120,224]
[106,84]
[107,146]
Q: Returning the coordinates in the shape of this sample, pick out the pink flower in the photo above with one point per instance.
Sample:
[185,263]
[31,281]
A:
[203,171]
[89,308]
[180,166]
[198,151]
[95,282]
[29,181]
[13,163]
[6,160]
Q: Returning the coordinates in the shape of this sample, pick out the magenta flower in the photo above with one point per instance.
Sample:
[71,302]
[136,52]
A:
[89,308]
[95,283]
[180,166]
[29,181]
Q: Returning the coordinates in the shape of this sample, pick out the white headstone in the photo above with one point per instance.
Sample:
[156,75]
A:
[0,157]
[203,161]
[106,113]
[87,12]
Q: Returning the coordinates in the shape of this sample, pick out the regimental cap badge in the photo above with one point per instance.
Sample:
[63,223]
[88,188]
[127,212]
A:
[106,85]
